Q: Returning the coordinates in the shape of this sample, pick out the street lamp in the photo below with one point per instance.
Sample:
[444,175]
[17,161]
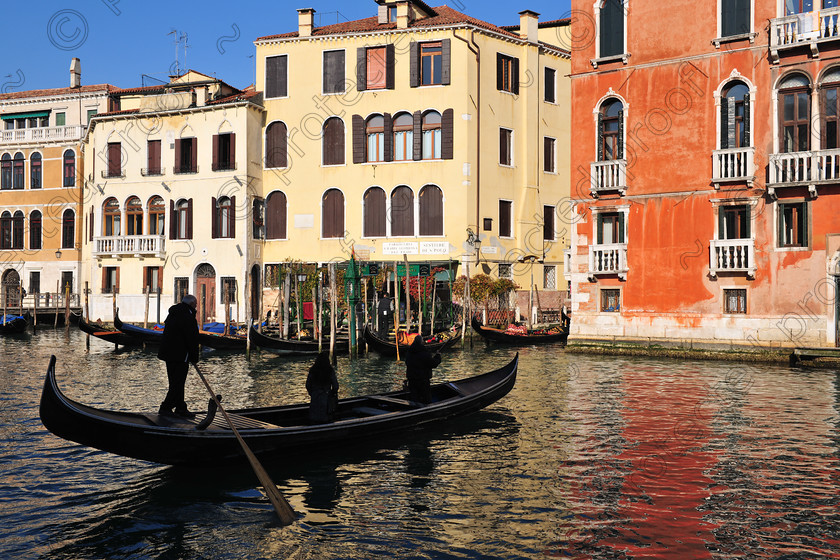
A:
[58,253]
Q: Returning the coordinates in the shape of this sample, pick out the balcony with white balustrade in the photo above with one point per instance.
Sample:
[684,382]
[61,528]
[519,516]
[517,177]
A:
[733,165]
[608,259]
[732,255]
[42,135]
[803,169]
[608,176]
[129,246]
[810,30]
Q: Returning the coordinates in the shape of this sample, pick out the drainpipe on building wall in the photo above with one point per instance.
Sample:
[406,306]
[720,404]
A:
[476,50]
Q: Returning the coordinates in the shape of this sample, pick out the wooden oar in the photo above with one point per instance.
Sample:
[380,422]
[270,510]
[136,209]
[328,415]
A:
[281,506]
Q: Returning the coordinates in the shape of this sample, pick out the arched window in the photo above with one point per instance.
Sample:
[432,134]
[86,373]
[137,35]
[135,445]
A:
[735,116]
[333,141]
[35,229]
[431,135]
[68,230]
[795,113]
[275,216]
[223,217]
[111,217]
[35,171]
[69,169]
[431,210]
[134,216]
[375,134]
[17,230]
[611,130]
[275,145]
[374,213]
[6,172]
[403,137]
[332,214]
[6,230]
[402,212]
[157,216]
[17,171]
[830,121]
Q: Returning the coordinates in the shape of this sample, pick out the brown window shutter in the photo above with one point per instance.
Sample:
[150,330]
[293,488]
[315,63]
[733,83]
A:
[190,219]
[431,211]
[215,152]
[389,136]
[114,159]
[178,155]
[117,282]
[172,225]
[390,66]
[90,225]
[358,139]
[160,277]
[232,156]
[361,69]
[214,217]
[232,217]
[447,128]
[194,154]
[105,280]
[414,64]
[445,63]
[515,77]
[500,75]
[417,137]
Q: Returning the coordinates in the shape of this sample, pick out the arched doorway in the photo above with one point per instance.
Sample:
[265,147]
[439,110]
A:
[11,288]
[205,288]
[256,293]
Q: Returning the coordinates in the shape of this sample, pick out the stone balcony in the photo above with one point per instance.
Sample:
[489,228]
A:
[129,246]
[733,165]
[732,255]
[608,176]
[42,135]
[810,29]
[608,259]
[803,169]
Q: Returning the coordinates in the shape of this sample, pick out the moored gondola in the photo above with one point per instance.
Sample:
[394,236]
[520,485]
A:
[108,334]
[154,336]
[521,336]
[435,343]
[269,432]
[144,336]
[14,324]
[293,346]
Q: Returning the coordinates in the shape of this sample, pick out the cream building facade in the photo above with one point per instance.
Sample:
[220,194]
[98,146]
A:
[41,183]
[418,131]
[171,177]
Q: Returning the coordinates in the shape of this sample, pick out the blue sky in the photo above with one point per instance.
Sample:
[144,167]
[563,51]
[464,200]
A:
[120,40]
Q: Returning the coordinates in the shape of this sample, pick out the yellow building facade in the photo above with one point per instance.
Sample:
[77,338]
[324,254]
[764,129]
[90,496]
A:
[421,132]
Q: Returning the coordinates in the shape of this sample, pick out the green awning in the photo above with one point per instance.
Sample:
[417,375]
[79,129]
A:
[33,115]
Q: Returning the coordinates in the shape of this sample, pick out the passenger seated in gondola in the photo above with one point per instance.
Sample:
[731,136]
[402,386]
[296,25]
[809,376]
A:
[419,363]
[322,386]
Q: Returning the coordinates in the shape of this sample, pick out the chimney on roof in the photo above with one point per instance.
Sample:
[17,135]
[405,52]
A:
[403,14]
[75,73]
[306,18]
[382,15]
[529,26]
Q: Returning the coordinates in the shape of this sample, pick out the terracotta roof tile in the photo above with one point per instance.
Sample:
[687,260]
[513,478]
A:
[105,88]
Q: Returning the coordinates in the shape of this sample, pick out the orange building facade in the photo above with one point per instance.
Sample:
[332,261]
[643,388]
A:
[706,172]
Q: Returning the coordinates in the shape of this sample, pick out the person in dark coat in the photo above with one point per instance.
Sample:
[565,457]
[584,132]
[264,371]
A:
[322,386]
[385,313]
[419,363]
[179,349]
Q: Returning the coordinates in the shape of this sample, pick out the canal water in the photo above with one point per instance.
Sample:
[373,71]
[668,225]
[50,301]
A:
[587,457]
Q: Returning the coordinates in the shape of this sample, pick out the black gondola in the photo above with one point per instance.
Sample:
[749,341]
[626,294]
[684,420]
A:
[440,341]
[535,336]
[108,334]
[144,336]
[218,341]
[269,432]
[14,324]
[294,347]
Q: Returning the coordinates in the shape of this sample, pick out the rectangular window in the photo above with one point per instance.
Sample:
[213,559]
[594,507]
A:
[181,288]
[611,301]
[505,147]
[34,282]
[795,112]
[735,17]
[548,155]
[548,223]
[505,218]
[186,154]
[549,277]
[333,78]
[272,276]
[67,282]
[110,280]
[507,73]
[153,157]
[228,289]
[376,70]
[610,228]
[505,271]
[60,119]
[276,77]
[431,59]
[735,301]
[550,82]
[90,114]
[114,159]
[224,152]
[611,28]
[151,279]
[793,224]
[734,222]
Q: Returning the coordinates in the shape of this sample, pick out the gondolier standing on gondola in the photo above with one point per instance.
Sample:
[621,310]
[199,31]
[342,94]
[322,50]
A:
[179,349]
[419,363]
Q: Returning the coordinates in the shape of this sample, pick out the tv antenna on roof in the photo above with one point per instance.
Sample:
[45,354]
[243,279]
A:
[181,39]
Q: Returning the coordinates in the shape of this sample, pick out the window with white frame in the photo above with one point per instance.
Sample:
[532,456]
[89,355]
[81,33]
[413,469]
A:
[611,27]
